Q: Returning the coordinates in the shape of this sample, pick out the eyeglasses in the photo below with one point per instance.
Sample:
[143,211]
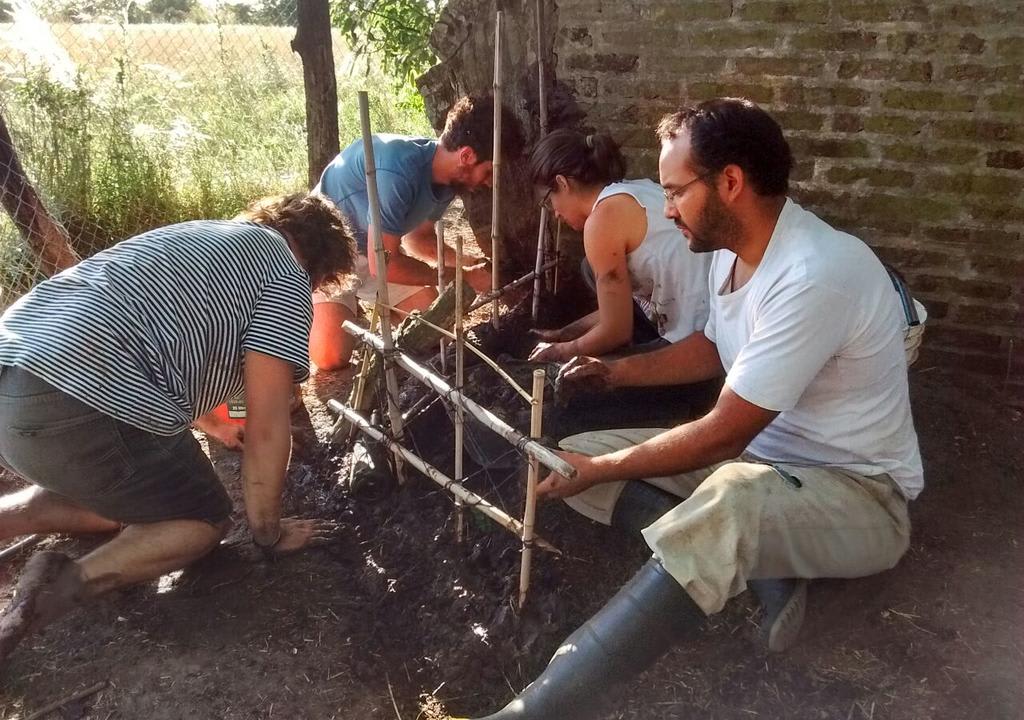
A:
[673,194]
[546,201]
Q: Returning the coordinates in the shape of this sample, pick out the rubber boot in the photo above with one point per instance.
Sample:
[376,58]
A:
[649,615]
[640,504]
[784,603]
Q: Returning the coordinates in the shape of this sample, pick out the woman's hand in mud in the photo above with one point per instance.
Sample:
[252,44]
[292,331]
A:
[551,352]
[559,486]
[299,534]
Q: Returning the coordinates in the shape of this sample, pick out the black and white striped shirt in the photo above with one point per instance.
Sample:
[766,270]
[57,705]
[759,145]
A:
[154,330]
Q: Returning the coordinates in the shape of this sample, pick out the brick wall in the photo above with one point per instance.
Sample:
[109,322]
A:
[905,118]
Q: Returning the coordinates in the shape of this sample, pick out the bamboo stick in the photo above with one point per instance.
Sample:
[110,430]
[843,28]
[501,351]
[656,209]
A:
[542,112]
[533,476]
[391,382]
[484,299]
[364,369]
[460,371]
[15,548]
[496,177]
[439,232]
[468,497]
[547,457]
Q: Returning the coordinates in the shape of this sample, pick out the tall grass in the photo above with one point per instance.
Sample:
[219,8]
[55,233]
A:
[137,135]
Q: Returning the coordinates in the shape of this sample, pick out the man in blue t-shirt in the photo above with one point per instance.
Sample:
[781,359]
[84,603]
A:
[417,178]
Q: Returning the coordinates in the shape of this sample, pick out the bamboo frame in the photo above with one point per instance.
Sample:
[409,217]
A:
[533,476]
[496,176]
[391,382]
[439,233]
[548,458]
[558,254]
[460,372]
[484,299]
[468,497]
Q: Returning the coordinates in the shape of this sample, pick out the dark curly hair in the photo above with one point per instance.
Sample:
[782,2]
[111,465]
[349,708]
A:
[588,159]
[734,131]
[319,231]
[470,123]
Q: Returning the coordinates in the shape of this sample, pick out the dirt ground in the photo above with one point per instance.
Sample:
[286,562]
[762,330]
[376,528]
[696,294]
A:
[396,620]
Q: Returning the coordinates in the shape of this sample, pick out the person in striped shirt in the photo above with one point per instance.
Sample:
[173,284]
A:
[105,367]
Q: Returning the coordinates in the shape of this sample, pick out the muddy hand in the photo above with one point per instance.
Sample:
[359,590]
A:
[559,486]
[298,534]
[546,352]
[478,277]
[584,372]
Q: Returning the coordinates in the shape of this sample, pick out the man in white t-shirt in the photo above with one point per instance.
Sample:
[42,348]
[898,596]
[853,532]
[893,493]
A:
[804,467]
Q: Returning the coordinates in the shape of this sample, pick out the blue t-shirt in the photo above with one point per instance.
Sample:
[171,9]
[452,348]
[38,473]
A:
[408,195]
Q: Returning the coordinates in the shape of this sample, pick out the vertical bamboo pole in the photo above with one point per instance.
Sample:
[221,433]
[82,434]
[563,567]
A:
[496,181]
[542,112]
[439,232]
[460,369]
[364,369]
[536,419]
[383,301]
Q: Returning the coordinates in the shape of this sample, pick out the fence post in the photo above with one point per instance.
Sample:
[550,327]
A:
[313,44]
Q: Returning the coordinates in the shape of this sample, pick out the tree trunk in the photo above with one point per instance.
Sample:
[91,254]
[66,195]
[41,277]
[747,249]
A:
[313,44]
[44,235]
[464,41]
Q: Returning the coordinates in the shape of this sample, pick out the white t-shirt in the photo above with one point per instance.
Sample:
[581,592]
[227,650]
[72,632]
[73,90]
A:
[662,269]
[817,334]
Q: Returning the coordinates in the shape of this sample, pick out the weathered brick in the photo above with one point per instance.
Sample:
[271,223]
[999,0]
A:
[604,62]
[848,123]
[904,258]
[989,238]
[1011,102]
[893,125]
[781,12]
[905,208]
[988,314]
[1009,159]
[834,41]
[733,39]
[974,72]
[631,88]
[993,211]
[884,12]
[930,43]
[678,12]
[830,147]
[968,183]
[673,64]
[1000,266]
[955,358]
[706,91]
[1011,48]
[975,129]
[792,120]
[928,100]
[898,70]
[940,154]
[807,95]
[802,170]
[577,36]
[585,86]
[873,176]
[963,338]
[785,67]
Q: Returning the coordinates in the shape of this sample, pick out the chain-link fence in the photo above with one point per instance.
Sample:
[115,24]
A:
[127,116]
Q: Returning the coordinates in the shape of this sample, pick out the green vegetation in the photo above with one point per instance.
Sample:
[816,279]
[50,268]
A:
[151,125]
[397,31]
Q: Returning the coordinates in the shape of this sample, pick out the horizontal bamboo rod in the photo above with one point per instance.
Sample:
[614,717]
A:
[484,299]
[532,448]
[470,498]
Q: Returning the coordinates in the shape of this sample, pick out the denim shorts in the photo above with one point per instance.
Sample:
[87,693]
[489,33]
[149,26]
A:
[107,466]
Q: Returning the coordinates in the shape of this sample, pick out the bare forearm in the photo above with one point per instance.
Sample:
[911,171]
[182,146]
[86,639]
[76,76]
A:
[406,270]
[264,463]
[690,360]
[578,328]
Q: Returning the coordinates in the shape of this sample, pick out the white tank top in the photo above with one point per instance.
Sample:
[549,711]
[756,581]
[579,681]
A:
[664,273]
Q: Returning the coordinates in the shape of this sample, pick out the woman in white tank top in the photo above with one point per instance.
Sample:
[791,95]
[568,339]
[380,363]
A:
[651,289]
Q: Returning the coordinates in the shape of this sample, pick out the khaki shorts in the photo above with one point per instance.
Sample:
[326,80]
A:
[363,287]
[112,468]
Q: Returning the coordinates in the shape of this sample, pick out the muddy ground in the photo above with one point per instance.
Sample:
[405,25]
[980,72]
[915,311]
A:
[396,620]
